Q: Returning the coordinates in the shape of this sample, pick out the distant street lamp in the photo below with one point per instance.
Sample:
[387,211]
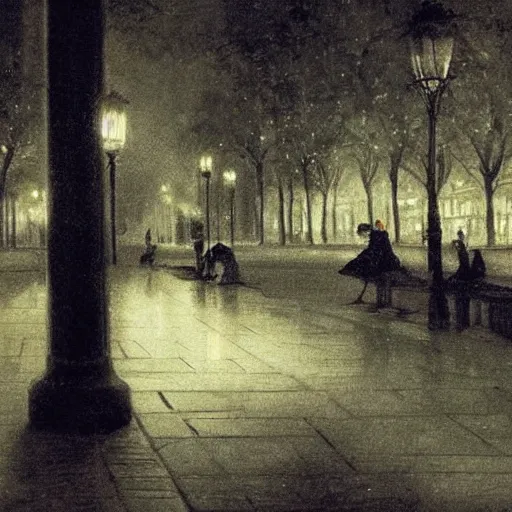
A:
[206,173]
[166,212]
[113,131]
[230,181]
[431,35]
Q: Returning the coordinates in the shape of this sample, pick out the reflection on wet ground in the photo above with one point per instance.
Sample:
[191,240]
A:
[256,403]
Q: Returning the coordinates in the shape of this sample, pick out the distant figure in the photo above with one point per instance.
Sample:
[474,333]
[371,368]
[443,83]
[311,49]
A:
[148,256]
[467,272]
[197,236]
[198,251]
[460,235]
[208,266]
[377,258]
[463,273]
[223,254]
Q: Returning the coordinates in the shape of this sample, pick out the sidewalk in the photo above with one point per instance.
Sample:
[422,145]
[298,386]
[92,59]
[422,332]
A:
[248,403]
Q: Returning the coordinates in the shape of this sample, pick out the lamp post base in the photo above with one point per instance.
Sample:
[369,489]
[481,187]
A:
[80,405]
[438,311]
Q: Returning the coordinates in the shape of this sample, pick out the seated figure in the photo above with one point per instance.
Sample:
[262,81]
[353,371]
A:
[467,271]
[223,254]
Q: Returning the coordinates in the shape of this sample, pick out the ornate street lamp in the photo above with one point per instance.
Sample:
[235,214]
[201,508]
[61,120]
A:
[431,35]
[113,131]
[206,173]
[230,181]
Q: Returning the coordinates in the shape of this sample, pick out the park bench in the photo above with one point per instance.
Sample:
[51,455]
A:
[482,303]
[396,279]
[472,303]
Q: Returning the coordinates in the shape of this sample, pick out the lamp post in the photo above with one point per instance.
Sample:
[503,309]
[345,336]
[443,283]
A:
[113,131]
[166,202]
[230,181]
[79,390]
[206,173]
[431,37]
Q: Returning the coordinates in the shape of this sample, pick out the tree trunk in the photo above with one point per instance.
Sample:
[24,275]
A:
[489,213]
[369,202]
[282,230]
[2,220]
[256,223]
[13,220]
[394,204]
[309,216]
[334,213]
[7,225]
[259,174]
[218,190]
[4,229]
[324,217]
[291,198]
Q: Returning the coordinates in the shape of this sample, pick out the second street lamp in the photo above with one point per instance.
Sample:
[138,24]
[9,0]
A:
[431,34]
[206,173]
[230,181]
[113,130]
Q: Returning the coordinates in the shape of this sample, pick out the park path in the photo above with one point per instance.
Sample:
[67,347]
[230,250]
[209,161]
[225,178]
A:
[248,402]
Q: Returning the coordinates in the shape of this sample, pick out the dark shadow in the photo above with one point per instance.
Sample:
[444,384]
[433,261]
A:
[229,298]
[200,294]
[55,472]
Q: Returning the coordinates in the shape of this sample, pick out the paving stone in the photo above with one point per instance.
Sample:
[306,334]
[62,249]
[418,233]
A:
[32,364]
[211,382]
[496,429]
[10,348]
[253,427]
[155,505]
[146,468]
[189,457]
[165,425]
[256,456]
[126,366]
[213,366]
[155,484]
[149,401]
[132,349]
[253,365]
[436,464]
[382,402]
[413,435]
[213,493]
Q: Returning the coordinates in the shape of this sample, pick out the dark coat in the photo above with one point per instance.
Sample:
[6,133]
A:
[377,258]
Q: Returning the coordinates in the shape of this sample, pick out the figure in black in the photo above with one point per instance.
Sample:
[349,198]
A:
[463,272]
[377,258]
[467,272]
[148,256]
[221,253]
[196,231]
[460,235]
[464,280]
[478,269]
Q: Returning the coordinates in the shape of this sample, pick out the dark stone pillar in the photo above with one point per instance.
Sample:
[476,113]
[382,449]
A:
[80,391]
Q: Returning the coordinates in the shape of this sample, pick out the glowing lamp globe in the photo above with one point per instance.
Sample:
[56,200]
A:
[113,122]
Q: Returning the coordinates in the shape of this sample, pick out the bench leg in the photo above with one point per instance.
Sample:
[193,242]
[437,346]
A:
[384,294]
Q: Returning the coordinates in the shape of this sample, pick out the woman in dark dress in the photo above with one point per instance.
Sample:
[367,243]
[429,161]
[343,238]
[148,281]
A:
[377,258]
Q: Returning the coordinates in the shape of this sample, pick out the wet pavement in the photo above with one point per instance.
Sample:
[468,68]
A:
[247,402]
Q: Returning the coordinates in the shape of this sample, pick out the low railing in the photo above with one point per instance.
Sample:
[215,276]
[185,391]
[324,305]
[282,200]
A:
[482,303]
[471,302]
